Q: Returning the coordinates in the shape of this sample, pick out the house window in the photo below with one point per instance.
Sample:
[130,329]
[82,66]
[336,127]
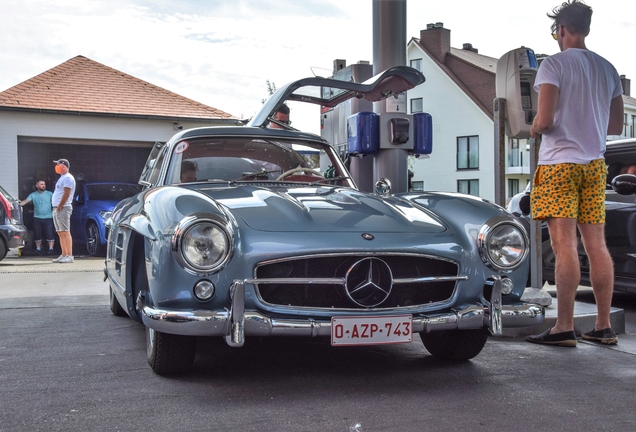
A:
[417,64]
[513,187]
[418,186]
[417,106]
[470,187]
[468,152]
[514,156]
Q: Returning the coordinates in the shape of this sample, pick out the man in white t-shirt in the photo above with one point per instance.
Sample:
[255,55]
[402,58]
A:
[62,209]
[580,103]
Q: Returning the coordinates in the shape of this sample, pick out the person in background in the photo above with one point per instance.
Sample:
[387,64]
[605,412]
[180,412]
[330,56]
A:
[580,103]
[62,209]
[188,171]
[42,216]
[281,116]
[628,169]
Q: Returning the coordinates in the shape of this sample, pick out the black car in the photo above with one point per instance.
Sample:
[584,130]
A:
[12,230]
[620,224]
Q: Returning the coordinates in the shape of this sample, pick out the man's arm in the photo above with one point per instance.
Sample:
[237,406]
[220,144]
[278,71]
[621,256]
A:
[615,126]
[65,197]
[544,120]
[25,202]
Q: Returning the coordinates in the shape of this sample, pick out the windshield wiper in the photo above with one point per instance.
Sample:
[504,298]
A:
[252,175]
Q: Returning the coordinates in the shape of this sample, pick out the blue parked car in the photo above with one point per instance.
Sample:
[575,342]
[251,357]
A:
[92,205]
[237,234]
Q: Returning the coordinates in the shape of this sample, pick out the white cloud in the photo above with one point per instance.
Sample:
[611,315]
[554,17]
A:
[221,52]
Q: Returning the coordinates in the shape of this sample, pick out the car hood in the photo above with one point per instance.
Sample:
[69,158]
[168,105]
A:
[323,209]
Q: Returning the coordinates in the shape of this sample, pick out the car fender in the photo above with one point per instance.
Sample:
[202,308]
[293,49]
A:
[465,215]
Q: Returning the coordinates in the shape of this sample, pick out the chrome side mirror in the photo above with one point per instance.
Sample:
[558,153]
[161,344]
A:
[383,187]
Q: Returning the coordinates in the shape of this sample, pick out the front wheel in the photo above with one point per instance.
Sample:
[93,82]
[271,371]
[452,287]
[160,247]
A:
[93,244]
[115,307]
[455,344]
[169,354]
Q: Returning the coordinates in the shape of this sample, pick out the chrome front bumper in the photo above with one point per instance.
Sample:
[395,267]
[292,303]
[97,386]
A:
[236,323]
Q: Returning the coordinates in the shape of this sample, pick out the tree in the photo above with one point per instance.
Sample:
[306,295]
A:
[271,89]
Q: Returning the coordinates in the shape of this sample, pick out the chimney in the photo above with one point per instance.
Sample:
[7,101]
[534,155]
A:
[625,82]
[436,39]
[469,47]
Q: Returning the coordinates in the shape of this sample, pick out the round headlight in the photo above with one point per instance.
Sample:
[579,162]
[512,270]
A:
[201,246]
[503,246]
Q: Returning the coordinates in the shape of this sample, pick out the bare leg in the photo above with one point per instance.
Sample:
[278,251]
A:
[567,270]
[601,271]
[66,243]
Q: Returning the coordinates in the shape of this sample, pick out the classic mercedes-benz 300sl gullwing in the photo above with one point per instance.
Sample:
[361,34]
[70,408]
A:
[257,231]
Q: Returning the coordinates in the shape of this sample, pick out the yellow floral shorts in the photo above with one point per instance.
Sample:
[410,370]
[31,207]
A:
[568,190]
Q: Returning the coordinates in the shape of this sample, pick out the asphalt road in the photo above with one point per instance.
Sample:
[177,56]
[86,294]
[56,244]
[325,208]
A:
[68,364]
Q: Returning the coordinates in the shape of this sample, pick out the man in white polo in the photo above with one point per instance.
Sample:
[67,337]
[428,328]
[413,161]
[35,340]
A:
[62,209]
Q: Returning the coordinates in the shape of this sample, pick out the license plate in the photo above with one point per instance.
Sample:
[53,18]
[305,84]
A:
[371,330]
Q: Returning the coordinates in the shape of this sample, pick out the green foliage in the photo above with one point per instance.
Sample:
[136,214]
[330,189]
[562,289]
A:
[271,89]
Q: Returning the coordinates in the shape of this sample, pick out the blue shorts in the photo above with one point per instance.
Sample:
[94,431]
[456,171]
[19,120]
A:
[43,226]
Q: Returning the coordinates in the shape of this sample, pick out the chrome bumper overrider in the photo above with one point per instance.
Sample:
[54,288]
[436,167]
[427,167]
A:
[236,323]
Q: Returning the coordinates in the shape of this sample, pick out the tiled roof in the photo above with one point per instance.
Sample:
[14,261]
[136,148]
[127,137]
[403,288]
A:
[481,61]
[474,74]
[81,85]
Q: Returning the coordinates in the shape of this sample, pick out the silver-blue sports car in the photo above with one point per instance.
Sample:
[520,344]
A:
[257,231]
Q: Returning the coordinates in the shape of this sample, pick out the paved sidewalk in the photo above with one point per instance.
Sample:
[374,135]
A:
[37,282]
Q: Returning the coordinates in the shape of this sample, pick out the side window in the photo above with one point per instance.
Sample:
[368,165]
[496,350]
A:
[151,163]
[468,152]
[470,187]
[79,192]
[156,167]
[417,64]
[513,187]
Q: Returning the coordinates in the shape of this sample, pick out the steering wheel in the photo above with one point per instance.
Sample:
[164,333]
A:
[308,171]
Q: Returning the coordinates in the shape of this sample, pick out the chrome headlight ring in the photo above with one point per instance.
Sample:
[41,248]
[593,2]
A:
[503,244]
[202,243]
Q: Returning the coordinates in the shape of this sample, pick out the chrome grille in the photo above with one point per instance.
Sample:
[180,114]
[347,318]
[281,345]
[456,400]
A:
[319,281]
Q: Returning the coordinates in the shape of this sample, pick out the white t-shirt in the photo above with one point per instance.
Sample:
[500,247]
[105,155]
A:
[587,84]
[65,181]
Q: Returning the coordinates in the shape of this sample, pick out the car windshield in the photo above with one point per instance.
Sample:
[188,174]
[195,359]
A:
[111,192]
[255,159]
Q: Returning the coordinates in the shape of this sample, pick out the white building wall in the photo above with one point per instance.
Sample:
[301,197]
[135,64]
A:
[14,124]
[454,115]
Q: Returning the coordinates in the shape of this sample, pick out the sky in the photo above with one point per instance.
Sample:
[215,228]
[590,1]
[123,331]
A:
[222,52]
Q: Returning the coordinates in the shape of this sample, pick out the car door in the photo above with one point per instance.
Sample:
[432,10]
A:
[330,92]
[77,231]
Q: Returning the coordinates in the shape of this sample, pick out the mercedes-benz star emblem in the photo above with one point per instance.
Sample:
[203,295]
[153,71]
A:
[369,282]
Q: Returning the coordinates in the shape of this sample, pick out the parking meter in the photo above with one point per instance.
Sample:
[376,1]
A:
[516,73]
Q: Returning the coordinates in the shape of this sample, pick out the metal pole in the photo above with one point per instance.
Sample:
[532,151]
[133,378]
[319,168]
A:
[536,240]
[389,49]
[499,117]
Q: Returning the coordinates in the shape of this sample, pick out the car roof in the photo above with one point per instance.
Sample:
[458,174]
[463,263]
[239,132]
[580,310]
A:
[621,151]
